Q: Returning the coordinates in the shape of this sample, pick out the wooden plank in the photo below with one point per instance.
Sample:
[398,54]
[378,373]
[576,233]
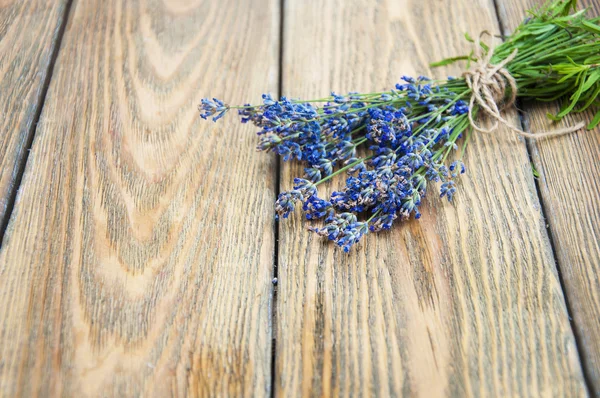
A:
[569,170]
[29,33]
[139,258]
[465,301]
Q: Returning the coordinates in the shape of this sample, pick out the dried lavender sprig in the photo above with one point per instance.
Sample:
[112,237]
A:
[409,130]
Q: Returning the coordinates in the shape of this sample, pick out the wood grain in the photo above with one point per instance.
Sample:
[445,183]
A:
[29,31]
[570,172]
[139,258]
[465,301]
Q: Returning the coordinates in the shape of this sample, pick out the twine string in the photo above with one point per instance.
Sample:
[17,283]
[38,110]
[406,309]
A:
[489,83]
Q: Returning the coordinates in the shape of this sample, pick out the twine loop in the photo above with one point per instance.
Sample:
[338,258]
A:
[489,84]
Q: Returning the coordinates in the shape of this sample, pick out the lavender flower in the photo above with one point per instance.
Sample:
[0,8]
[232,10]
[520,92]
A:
[410,131]
[212,107]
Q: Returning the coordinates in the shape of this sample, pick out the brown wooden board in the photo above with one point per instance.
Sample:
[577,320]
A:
[29,35]
[139,257]
[465,301]
[569,183]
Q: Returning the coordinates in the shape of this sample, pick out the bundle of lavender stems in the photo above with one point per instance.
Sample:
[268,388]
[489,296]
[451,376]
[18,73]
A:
[416,134]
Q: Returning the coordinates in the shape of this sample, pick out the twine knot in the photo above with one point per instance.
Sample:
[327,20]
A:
[489,84]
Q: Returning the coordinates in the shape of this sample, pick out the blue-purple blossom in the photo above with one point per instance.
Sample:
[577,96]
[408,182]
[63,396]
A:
[212,107]
[408,134]
[315,208]
[286,203]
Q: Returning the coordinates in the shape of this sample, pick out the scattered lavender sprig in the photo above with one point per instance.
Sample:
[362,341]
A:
[412,130]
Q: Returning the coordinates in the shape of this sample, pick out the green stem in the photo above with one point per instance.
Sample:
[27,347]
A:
[342,170]
[373,216]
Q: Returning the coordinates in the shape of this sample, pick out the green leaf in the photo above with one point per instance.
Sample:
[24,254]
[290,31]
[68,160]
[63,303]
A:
[590,27]
[594,59]
[542,29]
[536,174]
[450,60]
[594,121]
[571,60]
[469,60]
[575,96]
[590,100]
[568,76]
[471,40]
[564,8]
[552,117]
[591,80]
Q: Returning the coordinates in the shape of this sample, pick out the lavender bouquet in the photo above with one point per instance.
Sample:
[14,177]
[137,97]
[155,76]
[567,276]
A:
[416,133]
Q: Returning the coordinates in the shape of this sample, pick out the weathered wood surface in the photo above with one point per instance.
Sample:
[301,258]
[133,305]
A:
[140,251]
[569,168]
[139,256]
[465,301]
[29,33]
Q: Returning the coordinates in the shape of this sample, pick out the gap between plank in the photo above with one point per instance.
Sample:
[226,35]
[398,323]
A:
[576,333]
[574,328]
[36,118]
[529,146]
[276,224]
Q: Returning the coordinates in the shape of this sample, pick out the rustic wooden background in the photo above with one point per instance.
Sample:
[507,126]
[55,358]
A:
[138,243]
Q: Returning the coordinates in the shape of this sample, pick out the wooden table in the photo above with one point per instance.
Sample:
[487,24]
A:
[139,243]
